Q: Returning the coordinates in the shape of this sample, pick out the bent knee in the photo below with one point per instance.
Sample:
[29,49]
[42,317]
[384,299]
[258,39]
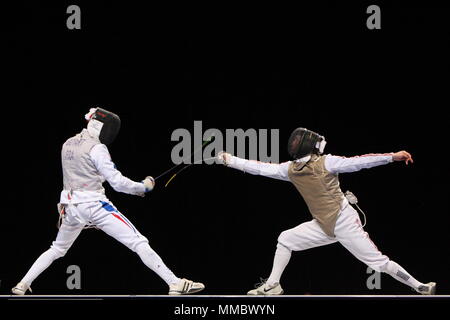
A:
[381,266]
[136,243]
[57,252]
[387,267]
[143,247]
[284,239]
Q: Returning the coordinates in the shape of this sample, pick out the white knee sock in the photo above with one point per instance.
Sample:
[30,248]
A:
[152,260]
[280,261]
[42,263]
[398,273]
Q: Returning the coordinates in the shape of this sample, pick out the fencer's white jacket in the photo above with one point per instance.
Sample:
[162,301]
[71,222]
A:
[86,164]
[334,164]
[318,183]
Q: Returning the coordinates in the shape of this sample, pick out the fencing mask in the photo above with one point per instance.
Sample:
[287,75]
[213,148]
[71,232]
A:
[103,124]
[303,142]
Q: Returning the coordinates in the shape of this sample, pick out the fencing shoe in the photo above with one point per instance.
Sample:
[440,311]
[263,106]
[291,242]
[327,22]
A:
[427,289]
[265,289]
[185,286]
[20,289]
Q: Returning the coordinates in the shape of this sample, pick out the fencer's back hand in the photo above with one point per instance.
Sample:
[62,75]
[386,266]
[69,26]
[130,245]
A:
[149,183]
[224,158]
[402,156]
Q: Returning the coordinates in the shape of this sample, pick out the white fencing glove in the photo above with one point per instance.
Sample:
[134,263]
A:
[224,158]
[149,183]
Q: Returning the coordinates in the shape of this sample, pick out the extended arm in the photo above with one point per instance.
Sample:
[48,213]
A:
[337,164]
[102,161]
[271,170]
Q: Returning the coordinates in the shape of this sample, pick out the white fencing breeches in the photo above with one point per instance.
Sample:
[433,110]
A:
[350,233]
[107,218]
[102,215]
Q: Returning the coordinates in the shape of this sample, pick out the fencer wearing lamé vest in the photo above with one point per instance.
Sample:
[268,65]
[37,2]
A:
[79,172]
[320,189]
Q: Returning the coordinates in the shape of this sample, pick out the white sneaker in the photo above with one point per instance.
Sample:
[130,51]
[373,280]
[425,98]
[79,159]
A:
[266,290]
[20,289]
[185,287]
[427,289]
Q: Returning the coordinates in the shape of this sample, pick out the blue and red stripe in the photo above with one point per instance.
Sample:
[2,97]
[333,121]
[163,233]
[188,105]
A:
[109,207]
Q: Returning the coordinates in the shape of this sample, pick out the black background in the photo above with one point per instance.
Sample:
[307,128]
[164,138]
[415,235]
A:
[161,68]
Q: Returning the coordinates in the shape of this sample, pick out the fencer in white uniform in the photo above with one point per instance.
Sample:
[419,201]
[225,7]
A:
[316,178]
[86,164]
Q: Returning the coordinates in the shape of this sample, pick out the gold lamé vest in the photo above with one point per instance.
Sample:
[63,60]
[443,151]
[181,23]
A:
[320,189]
